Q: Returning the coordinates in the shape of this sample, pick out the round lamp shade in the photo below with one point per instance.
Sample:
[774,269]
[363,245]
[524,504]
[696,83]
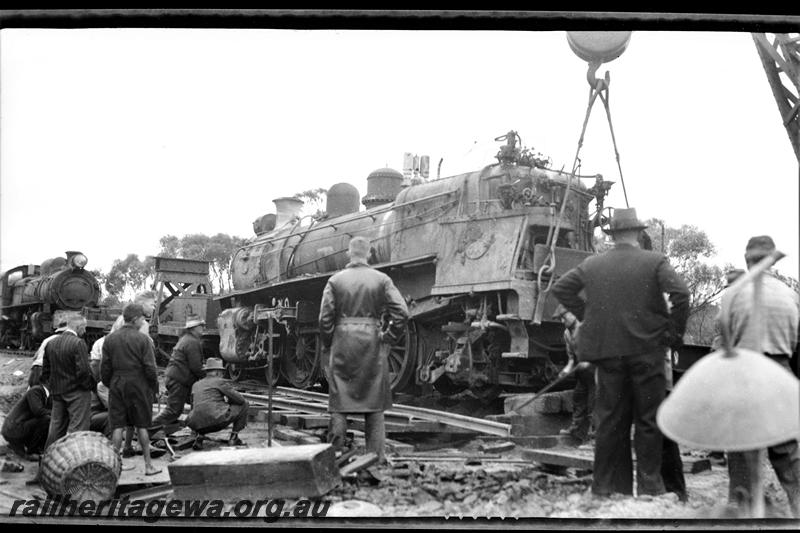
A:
[734,403]
[598,46]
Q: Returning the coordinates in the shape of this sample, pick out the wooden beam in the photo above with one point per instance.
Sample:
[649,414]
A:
[256,473]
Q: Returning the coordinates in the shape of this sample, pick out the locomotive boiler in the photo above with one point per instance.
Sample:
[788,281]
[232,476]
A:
[472,254]
[35,297]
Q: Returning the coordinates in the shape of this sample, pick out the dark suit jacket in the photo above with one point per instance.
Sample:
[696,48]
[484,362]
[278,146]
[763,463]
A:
[36,403]
[65,367]
[623,312]
[186,364]
[209,407]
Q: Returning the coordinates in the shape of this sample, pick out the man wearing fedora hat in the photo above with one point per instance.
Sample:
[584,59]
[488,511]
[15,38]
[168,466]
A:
[626,325]
[185,367]
[216,405]
[779,318]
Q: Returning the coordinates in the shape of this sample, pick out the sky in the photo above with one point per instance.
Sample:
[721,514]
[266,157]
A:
[113,138]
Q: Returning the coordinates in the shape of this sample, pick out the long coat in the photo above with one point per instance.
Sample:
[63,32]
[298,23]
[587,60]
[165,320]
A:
[353,303]
[624,312]
[129,364]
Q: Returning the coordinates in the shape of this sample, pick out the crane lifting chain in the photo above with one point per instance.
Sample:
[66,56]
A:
[544,279]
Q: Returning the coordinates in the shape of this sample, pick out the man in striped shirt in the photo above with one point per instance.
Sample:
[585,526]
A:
[65,370]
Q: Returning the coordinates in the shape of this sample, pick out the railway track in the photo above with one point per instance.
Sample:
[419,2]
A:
[18,353]
[399,419]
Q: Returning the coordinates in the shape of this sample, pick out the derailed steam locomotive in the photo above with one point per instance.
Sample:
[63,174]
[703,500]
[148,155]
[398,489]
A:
[33,298]
[472,254]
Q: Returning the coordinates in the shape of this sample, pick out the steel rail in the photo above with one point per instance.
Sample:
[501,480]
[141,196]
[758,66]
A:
[398,410]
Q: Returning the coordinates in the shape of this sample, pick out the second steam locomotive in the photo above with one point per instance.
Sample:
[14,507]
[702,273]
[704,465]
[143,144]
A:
[34,297]
[472,254]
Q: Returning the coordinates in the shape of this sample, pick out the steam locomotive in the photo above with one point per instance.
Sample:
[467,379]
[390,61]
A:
[34,298]
[472,254]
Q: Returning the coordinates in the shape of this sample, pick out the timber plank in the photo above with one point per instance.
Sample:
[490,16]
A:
[256,473]
[359,464]
[566,458]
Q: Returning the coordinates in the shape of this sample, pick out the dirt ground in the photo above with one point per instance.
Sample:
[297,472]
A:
[453,489]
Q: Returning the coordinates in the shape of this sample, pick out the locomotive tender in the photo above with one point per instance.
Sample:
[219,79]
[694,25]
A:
[471,254]
[34,298]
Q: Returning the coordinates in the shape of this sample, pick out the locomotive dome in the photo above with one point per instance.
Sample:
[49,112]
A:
[342,199]
[383,186]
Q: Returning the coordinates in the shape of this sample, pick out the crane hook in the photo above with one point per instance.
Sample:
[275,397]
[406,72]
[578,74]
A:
[598,85]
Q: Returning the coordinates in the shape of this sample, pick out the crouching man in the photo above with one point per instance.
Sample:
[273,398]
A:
[216,405]
[25,428]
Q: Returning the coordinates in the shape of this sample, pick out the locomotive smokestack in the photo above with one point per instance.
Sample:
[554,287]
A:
[286,208]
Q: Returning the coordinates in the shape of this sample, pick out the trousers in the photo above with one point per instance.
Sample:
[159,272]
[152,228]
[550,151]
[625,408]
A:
[629,391]
[672,468]
[71,412]
[583,399]
[237,414]
[784,458]
[177,395]
[374,428]
[31,437]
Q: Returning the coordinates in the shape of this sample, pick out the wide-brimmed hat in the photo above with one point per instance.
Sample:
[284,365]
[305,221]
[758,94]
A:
[759,247]
[624,219]
[194,321]
[214,363]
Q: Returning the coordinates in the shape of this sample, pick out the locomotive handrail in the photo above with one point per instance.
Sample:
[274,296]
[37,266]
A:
[331,254]
[378,266]
[365,214]
[274,250]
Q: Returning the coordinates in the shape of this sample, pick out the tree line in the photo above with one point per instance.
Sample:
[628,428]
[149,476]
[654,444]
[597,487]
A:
[131,274]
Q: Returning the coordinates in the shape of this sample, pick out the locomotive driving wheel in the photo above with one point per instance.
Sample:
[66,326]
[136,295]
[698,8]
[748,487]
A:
[300,359]
[402,358]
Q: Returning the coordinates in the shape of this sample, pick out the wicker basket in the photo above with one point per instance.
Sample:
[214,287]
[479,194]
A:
[82,465]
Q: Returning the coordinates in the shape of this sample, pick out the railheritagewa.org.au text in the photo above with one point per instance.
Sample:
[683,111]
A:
[270,510]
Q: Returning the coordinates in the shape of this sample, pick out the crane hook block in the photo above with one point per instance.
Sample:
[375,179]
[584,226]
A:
[598,46]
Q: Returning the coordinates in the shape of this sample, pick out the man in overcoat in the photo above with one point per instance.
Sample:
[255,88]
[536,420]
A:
[185,367]
[353,303]
[626,326]
[128,369]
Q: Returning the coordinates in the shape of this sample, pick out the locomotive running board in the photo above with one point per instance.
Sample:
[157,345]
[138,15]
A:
[403,263]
